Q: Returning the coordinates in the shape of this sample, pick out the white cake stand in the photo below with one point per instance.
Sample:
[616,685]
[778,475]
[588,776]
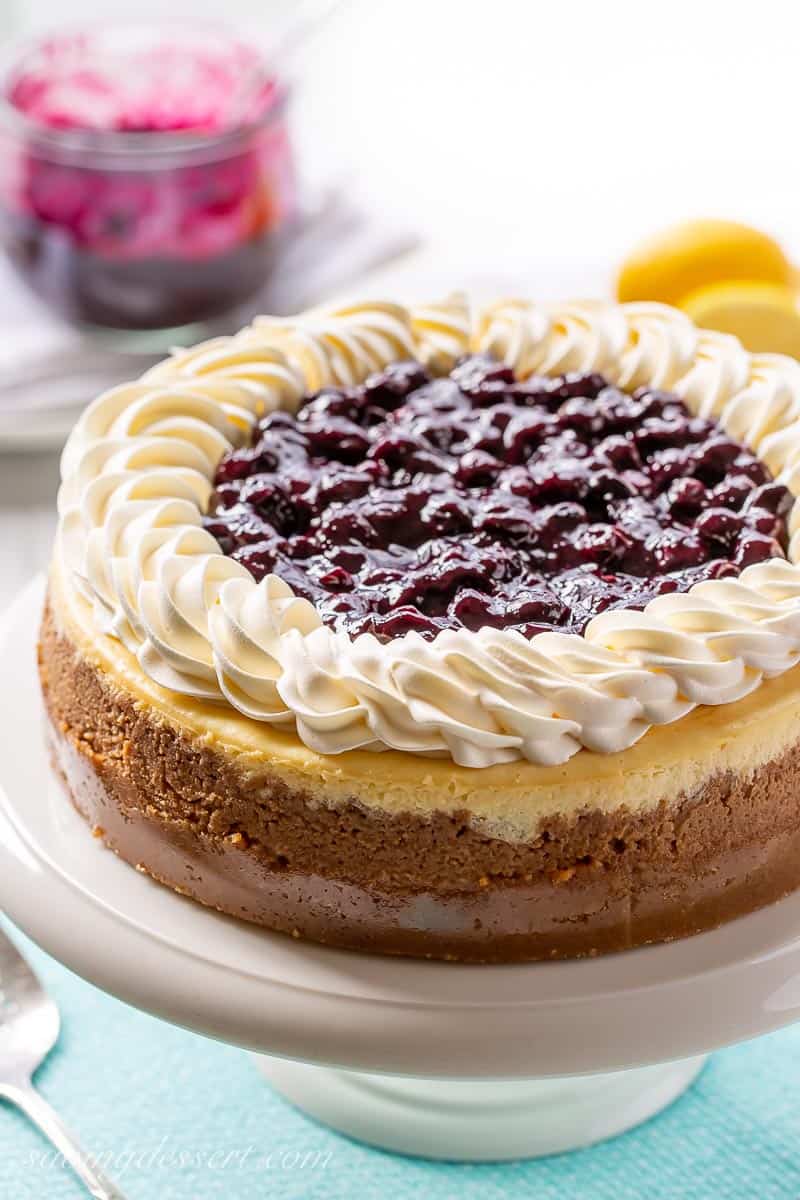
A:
[444,1060]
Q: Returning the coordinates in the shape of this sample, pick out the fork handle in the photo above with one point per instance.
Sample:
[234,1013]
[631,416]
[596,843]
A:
[25,1096]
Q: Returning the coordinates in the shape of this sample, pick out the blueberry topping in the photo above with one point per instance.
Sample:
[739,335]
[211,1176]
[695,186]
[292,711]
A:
[418,504]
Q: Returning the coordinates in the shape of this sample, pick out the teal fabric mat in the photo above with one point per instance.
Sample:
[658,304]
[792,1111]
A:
[177,1117]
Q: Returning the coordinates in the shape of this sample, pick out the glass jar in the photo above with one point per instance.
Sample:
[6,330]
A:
[145,173]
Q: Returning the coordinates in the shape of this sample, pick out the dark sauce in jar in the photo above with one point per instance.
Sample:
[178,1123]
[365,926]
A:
[145,177]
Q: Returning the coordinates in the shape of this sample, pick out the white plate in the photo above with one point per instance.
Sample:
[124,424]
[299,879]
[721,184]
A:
[267,992]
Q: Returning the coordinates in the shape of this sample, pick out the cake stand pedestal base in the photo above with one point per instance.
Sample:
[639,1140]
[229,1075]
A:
[479,1121]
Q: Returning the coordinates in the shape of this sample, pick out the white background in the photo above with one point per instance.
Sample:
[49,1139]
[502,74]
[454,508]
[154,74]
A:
[536,128]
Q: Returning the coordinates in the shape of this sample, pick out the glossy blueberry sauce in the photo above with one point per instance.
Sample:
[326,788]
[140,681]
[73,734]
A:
[412,503]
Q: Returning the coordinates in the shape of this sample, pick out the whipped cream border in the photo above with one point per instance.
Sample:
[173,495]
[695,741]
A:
[137,473]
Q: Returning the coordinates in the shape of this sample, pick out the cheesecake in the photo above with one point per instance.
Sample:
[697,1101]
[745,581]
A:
[442,631]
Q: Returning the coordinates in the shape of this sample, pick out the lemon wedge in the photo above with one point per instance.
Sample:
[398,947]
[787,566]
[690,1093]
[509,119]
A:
[764,316]
[679,260]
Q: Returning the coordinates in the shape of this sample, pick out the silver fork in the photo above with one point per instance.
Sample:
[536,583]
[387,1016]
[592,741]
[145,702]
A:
[29,1027]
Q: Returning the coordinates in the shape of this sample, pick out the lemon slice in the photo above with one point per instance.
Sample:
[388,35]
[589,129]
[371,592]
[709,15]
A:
[671,264]
[764,316]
